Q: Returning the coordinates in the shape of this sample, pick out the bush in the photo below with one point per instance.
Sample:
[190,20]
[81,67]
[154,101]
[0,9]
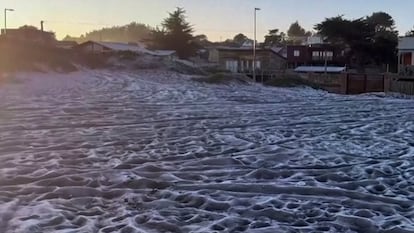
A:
[223,78]
[291,80]
[214,69]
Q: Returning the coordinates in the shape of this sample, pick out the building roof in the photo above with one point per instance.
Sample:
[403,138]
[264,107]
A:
[320,69]
[66,43]
[235,49]
[280,50]
[138,48]
[406,43]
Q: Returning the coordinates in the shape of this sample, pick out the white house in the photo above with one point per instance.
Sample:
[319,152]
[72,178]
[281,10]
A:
[405,54]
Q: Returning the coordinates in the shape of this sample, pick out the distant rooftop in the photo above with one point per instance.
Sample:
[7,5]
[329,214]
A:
[133,47]
[406,43]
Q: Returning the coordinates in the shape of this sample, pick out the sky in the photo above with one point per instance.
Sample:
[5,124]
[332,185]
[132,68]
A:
[218,19]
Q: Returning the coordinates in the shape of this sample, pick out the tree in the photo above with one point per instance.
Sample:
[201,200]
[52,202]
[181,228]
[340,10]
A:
[176,34]
[295,30]
[410,33]
[132,32]
[202,41]
[296,33]
[381,21]
[274,38]
[385,40]
[240,38]
[369,40]
[29,27]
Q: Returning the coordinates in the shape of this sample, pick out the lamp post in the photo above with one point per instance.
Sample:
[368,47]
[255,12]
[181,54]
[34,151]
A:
[5,18]
[254,45]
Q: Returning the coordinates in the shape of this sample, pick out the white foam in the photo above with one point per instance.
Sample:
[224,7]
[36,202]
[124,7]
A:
[154,151]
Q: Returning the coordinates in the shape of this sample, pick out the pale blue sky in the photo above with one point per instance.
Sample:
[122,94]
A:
[218,19]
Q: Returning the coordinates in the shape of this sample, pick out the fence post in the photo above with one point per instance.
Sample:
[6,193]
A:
[344,84]
[365,83]
[386,83]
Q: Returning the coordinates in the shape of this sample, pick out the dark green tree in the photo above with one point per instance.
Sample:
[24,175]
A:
[381,21]
[275,38]
[369,40]
[176,34]
[295,30]
[297,33]
[410,33]
[240,38]
[385,40]
[202,41]
[133,32]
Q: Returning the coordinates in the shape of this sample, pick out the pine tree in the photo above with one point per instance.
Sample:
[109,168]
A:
[176,34]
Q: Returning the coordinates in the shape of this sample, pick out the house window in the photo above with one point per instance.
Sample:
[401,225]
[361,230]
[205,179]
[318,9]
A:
[329,55]
[316,55]
[231,65]
[258,65]
[296,53]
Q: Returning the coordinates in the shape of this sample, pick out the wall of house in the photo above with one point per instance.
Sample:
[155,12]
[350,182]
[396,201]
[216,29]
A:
[313,55]
[94,48]
[213,56]
[297,55]
[242,60]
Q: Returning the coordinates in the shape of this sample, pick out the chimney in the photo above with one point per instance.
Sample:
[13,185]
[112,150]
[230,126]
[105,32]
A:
[41,25]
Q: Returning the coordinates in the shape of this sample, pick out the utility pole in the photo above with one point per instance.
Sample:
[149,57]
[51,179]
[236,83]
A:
[254,45]
[5,18]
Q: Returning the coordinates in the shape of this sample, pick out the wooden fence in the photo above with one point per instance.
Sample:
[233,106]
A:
[400,84]
[349,83]
[364,83]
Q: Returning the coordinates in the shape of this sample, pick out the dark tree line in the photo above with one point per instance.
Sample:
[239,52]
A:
[132,32]
[371,40]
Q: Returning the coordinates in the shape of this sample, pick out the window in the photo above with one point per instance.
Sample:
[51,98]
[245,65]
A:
[231,66]
[296,53]
[258,65]
[328,55]
[316,55]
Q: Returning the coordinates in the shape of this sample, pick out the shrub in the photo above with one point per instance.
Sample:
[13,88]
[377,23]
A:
[290,80]
[223,78]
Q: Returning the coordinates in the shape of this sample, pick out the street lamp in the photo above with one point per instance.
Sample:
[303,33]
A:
[5,18]
[254,45]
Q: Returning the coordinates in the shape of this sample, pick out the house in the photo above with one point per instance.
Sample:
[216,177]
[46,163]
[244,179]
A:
[107,47]
[240,59]
[29,34]
[406,55]
[66,44]
[311,55]
[111,47]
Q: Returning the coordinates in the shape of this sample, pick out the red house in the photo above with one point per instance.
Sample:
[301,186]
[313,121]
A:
[308,55]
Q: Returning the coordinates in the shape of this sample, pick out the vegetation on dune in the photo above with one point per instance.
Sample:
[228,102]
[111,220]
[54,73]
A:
[132,32]
[23,56]
[291,80]
[223,78]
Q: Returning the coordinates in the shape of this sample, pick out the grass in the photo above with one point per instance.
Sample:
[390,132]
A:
[291,80]
[223,78]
